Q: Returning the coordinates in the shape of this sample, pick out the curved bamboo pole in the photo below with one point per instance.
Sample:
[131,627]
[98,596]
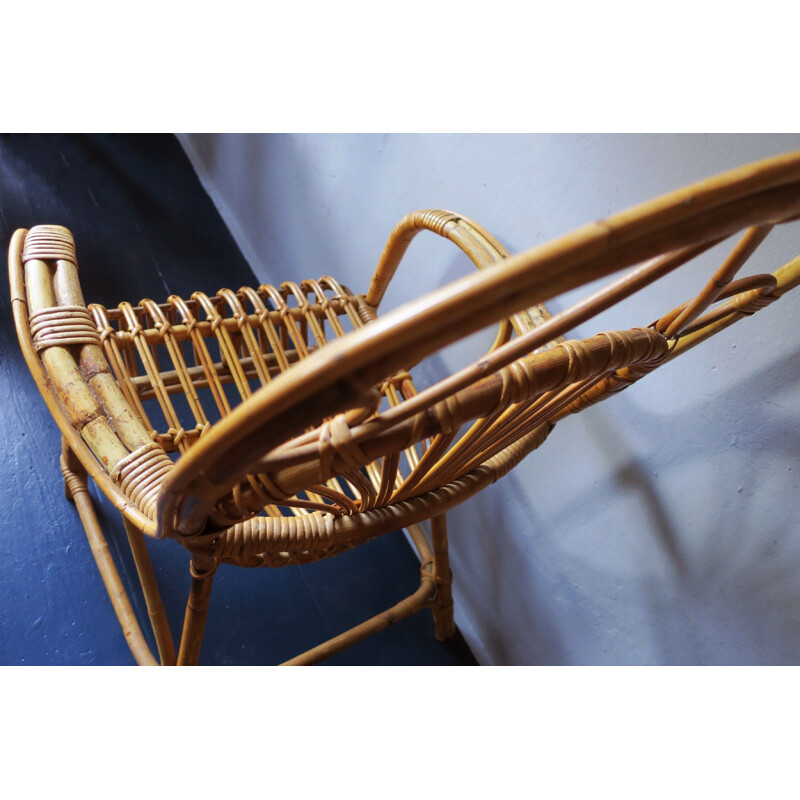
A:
[336,377]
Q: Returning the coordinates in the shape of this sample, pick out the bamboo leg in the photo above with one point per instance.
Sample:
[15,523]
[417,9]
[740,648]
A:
[405,608]
[443,603]
[76,489]
[194,622]
[155,608]
[423,597]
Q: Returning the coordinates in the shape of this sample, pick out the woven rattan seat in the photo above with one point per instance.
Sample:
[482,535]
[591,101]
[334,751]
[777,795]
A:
[279,425]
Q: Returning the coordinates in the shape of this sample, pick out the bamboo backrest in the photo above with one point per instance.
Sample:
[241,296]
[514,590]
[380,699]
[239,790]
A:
[332,419]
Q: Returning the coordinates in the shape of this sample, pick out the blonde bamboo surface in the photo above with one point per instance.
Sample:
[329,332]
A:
[280,425]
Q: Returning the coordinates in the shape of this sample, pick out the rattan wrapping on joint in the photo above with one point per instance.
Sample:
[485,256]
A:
[49,242]
[754,301]
[278,534]
[63,326]
[141,474]
[335,438]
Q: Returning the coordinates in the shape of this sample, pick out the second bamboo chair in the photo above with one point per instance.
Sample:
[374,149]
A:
[321,441]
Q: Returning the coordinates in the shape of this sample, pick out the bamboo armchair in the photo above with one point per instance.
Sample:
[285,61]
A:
[322,442]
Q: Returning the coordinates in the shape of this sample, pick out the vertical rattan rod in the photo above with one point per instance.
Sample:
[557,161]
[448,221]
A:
[194,622]
[155,607]
[443,604]
[420,542]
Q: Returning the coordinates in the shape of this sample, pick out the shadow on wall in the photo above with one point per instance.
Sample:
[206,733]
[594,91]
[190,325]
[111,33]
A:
[484,554]
[665,523]
[583,598]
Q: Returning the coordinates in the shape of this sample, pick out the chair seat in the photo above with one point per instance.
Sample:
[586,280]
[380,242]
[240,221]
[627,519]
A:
[184,364]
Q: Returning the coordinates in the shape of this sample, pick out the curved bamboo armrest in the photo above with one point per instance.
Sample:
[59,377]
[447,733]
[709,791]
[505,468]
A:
[341,375]
[62,348]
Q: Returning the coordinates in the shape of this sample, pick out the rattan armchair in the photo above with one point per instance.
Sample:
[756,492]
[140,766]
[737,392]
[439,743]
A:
[280,425]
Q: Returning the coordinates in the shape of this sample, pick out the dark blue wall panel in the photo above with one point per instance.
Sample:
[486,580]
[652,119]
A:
[144,227]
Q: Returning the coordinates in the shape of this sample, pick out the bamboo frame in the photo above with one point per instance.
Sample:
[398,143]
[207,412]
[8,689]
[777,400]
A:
[329,444]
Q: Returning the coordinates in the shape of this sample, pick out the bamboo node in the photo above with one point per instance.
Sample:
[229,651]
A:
[206,571]
[74,483]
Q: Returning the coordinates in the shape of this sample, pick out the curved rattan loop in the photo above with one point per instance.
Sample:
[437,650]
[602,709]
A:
[482,249]
[281,541]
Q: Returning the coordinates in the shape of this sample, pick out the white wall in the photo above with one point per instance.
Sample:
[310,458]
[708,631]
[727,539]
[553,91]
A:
[658,528]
